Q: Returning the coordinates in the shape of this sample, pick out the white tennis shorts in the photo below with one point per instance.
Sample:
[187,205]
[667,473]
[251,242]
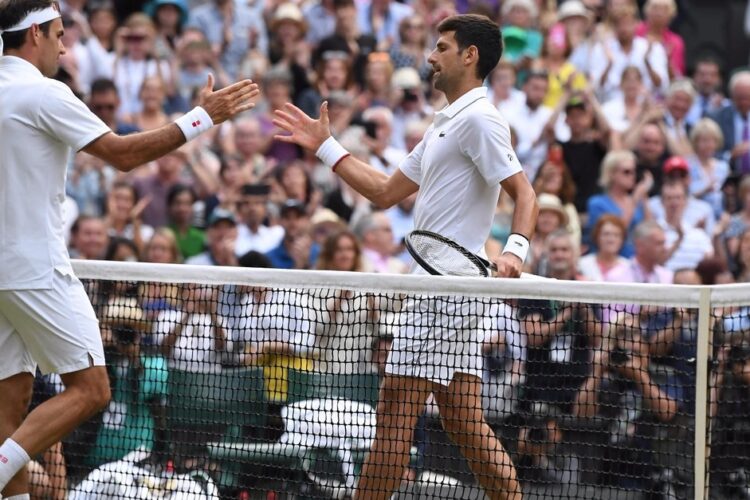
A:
[55,328]
[436,338]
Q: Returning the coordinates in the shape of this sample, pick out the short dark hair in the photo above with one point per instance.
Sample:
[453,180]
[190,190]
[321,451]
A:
[13,12]
[479,31]
[177,190]
[342,4]
[102,86]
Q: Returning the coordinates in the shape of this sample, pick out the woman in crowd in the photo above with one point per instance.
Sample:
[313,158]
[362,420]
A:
[123,217]
[153,99]
[659,15]
[561,72]
[341,252]
[608,237]
[136,60]
[349,322]
[622,195]
[554,178]
[412,49]
[377,90]
[334,73]
[552,216]
[169,18]
[707,172]
[101,42]
[160,249]
[623,111]
[190,240]
[232,176]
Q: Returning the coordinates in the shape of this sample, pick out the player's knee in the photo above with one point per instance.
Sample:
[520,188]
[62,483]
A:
[101,395]
[93,392]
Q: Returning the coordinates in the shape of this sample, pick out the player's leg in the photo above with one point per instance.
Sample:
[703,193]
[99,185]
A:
[402,400]
[461,414]
[59,329]
[86,392]
[16,391]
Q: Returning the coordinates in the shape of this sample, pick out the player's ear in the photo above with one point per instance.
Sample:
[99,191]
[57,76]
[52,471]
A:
[471,54]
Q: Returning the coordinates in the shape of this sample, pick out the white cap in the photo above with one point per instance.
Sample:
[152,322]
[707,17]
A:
[572,8]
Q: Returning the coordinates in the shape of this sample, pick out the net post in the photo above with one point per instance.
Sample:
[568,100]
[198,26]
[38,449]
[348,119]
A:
[701,393]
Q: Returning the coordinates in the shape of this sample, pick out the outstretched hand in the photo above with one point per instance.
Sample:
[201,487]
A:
[305,131]
[229,101]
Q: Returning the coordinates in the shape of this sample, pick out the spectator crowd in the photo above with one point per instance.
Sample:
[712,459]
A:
[639,153]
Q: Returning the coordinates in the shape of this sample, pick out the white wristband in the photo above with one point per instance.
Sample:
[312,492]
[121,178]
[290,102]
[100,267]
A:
[194,123]
[518,245]
[331,152]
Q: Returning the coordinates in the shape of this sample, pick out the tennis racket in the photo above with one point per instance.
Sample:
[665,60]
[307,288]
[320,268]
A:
[441,256]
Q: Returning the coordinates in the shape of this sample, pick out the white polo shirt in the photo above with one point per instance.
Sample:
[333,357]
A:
[458,165]
[40,121]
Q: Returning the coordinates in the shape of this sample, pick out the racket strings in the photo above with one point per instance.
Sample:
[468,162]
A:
[446,259]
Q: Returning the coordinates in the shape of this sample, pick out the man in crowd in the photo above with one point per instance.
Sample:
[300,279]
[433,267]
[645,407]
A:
[297,249]
[253,233]
[221,237]
[734,120]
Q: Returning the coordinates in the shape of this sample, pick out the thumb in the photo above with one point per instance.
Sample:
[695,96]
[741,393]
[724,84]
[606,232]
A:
[209,83]
[324,113]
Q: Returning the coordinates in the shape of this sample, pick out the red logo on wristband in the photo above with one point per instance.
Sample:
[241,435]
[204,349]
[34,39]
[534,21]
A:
[196,123]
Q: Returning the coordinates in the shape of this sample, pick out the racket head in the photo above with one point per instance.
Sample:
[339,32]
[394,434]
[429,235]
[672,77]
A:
[441,256]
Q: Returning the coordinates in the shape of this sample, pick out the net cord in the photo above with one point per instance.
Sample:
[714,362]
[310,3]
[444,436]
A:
[579,291]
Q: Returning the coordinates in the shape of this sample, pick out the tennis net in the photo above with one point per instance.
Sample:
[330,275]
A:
[259,383]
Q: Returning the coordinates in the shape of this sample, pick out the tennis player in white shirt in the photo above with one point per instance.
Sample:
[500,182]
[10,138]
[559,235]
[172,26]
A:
[459,167]
[46,319]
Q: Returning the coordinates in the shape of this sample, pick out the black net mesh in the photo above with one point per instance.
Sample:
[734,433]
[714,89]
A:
[249,392]
[728,428]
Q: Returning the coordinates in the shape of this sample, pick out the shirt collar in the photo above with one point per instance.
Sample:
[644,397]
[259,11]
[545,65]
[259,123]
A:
[18,65]
[462,102]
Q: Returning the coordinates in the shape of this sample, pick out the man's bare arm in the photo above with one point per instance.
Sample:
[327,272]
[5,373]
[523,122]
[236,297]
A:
[373,184]
[130,151]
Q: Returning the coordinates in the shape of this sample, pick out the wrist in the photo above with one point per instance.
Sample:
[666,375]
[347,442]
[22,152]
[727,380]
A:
[194,123]
[331,152]
[517,245]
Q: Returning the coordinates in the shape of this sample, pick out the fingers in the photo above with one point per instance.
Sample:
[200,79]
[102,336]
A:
[324,113]
[210,82]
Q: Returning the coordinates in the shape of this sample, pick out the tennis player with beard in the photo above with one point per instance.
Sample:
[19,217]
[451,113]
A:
[459,167]
[46,319]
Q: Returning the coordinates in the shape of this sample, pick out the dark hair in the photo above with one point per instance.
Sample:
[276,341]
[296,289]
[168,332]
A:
[14,11]
[125,185]
[116,242]
[103,85]
[340,4]
[255,259]
[479,31]
[82,219]
[177,190]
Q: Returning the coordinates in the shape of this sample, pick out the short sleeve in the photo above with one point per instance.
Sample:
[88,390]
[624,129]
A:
[411,166]
[65,117]
[486,140]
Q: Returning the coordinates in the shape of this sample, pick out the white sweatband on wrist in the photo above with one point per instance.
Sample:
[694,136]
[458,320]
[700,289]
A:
[194,123]
[331,152]
[518,245]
